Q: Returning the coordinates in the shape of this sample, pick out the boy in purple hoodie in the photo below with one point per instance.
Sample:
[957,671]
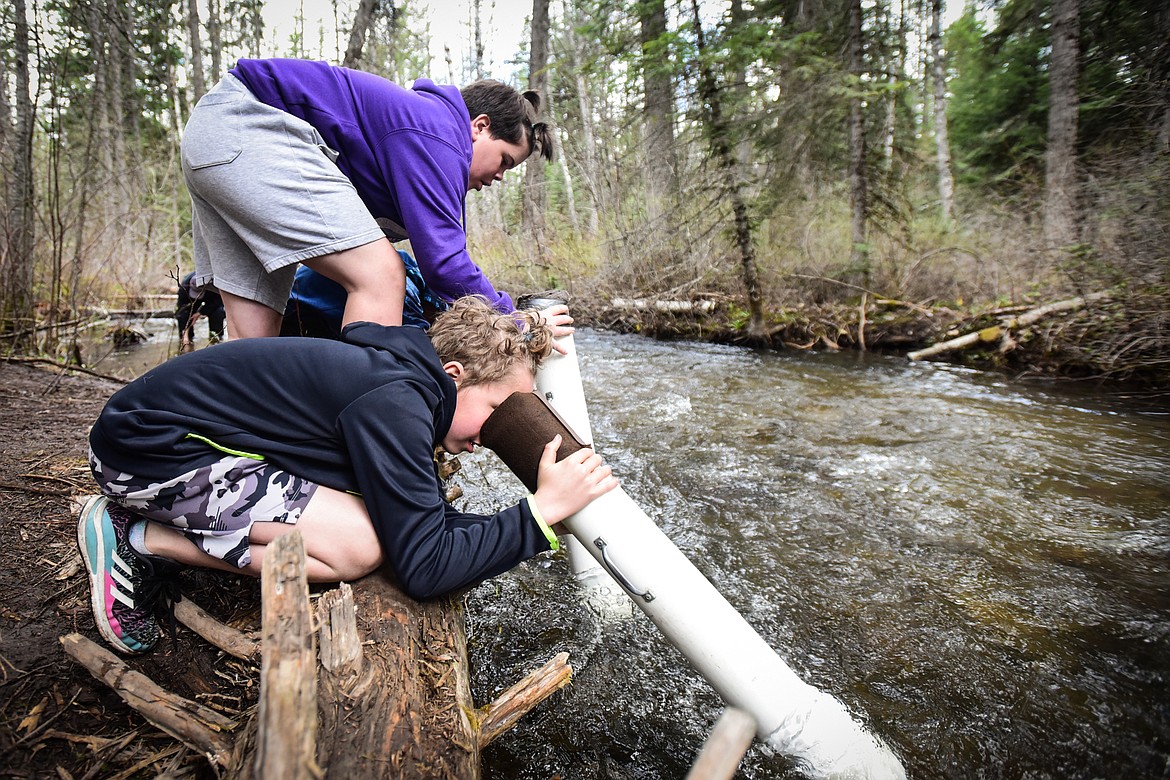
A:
[292,161]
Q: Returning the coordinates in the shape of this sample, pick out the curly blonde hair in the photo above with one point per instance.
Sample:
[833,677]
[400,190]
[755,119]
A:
[489,345]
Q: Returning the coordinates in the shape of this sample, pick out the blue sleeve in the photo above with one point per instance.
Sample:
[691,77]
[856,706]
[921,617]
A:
[431,548]
[429,179]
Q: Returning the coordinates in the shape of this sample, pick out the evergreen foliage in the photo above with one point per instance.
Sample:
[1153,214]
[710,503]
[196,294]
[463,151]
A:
[114,86]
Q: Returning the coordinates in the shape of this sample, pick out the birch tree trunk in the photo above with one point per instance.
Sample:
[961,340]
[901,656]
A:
[591,169]
[895,68]
[942,146]
[19,235]
[477,26]
[1061,209]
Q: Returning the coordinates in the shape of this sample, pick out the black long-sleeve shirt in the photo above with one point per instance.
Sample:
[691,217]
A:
[361,415]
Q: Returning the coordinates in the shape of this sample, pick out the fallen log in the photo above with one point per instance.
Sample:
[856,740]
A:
[669,307]
[394,698]
[377,685]
[1003,330]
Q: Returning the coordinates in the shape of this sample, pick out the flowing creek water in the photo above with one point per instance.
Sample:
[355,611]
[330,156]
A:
[978,567]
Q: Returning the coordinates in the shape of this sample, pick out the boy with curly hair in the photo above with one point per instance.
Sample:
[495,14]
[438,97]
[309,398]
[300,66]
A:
[207,458]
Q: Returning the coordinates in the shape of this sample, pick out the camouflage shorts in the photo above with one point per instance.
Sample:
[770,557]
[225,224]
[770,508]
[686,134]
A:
[213,506]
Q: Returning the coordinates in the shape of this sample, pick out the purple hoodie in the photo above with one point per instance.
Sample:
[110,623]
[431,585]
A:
[407,152]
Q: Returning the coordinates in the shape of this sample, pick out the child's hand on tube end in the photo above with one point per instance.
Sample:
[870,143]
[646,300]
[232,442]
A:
[565,487]
[558,319]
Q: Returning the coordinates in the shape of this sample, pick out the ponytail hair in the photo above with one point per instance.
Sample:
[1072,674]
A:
[489,344]
[513,114]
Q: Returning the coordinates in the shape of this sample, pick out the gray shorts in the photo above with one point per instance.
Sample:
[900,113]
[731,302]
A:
[266,194]
[213,506]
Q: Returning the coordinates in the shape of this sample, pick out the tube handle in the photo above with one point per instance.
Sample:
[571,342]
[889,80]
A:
[622,579]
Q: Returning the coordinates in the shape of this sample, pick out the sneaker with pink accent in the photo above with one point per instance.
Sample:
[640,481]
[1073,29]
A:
[126,587]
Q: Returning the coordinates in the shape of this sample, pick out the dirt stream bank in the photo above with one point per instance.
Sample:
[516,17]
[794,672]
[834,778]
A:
[55,719]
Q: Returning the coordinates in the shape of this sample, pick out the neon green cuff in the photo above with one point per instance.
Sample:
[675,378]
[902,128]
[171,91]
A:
[553,542]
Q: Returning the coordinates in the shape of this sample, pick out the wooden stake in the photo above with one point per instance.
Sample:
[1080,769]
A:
[725,746]
[286,742]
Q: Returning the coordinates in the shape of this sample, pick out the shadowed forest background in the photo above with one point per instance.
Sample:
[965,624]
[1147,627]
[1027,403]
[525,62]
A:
[803,168]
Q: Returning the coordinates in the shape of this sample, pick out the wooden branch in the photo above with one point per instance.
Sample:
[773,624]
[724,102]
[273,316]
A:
[861,322]
[36,491]
[200,728]
[66,367]
[30,331]
[996,332]
[286,726]
[1072,304]
[962,342]
[725,746]
[231,641]
[503,713]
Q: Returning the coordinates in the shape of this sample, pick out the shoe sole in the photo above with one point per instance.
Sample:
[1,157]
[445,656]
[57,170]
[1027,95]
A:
[91,539]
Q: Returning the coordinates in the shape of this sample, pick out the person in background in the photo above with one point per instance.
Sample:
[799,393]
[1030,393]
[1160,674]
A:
[189,305]
[209,457]
[293,161]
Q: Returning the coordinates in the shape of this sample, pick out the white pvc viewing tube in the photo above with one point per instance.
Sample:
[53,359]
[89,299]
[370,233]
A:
[792,716]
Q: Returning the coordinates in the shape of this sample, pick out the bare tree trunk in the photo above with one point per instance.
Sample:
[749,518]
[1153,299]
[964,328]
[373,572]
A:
[942,146]
[570,197]
[858,176]
[362,19]
[101,105]
[658,110]
[894,70]
[591,168]
[256,24]
[195,37]
[1161,108]
[477,25]
[19,236]
[1061,207]
[534,196]
[130,104]
[215,39]
[83,195]
[720,138]
[740,18]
